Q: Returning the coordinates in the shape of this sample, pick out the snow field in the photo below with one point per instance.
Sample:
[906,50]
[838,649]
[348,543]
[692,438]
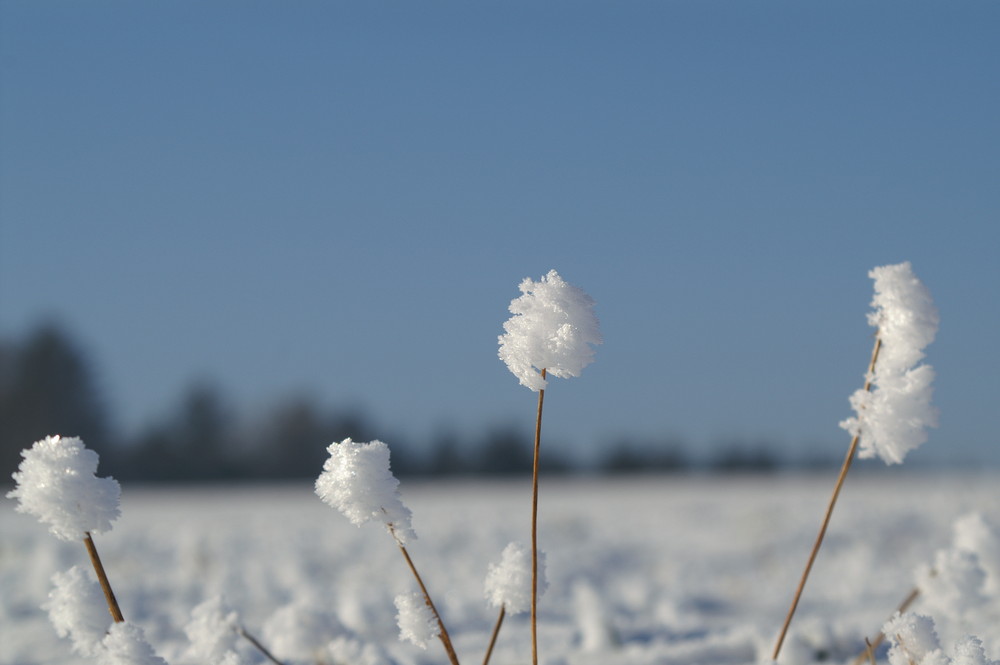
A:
[647,570]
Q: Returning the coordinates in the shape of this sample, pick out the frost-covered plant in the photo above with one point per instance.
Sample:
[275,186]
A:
[75,610]
[416,619]
[125,644]
[357,481]
[508,585]
[914,641]
[212,631]
[892,418]
[300,631]
[553,330]
[56,483]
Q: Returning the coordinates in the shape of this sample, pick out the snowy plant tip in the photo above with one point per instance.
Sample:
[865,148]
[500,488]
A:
[416,620]
[508,584]
[56,484]
[553,328]
[356,480]
[891,420]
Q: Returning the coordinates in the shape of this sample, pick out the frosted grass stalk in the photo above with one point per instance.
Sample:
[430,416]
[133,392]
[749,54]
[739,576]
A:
[56,483]
[508,586]
[552,331]
[891,419]
[357,481]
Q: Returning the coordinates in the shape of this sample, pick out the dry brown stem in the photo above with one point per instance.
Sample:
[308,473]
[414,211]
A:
[493,637]
[903,606]
[829,512]
[102,577]
[534,529]
[260,647]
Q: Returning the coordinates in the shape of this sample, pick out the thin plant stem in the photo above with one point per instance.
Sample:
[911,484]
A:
[869,651]
[102,577]
[905,605]
[443,632]
[534,529]
[493,637]
[260,647]
[829,511]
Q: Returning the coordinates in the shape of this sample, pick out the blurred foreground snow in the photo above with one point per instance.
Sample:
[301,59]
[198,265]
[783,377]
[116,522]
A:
[641,570]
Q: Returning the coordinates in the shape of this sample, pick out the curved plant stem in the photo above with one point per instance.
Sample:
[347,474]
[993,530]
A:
[102,577]
[829,511]
[443,633]
[493,637]
[534,529]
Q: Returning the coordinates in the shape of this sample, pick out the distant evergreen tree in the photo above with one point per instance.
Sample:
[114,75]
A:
[47,388]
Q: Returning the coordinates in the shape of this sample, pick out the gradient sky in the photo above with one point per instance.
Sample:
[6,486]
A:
[340,199]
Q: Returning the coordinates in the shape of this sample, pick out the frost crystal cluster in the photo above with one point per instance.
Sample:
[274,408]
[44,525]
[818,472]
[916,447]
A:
[356,480]
[76,609]
[892,419]
[553,328]
[508,584]
[56,484]
[125,644]
[212,631]
[416,620]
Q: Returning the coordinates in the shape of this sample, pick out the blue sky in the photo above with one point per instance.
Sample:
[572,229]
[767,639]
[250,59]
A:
[340,199]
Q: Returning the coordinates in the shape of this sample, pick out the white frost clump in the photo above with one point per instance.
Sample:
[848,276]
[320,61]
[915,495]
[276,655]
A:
[553,328]
[77,609]
[301,631]
[56,484]
[416,620]
[892,419]
[212,631]
[913,640]
[508,584]
[356,480]
[125,644]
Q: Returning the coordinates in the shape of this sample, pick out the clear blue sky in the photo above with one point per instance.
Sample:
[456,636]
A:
[341,198]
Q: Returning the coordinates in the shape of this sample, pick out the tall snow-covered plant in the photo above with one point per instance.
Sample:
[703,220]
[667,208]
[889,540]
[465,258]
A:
[892,410]
[56,483]
[357,481]
[552,331]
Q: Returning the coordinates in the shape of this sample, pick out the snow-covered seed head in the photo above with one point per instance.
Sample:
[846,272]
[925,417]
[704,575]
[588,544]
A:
[892,419]
[508,584]
[356,480]
[56,484]
[553,328]
[416,620]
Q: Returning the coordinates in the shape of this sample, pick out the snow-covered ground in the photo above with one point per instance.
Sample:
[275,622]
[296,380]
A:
[641,570]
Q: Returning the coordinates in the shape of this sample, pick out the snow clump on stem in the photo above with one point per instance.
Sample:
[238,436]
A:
[356,480]
[892,419]
[56,484]
[416,620]
[508,584]
[553,328]
[76,610]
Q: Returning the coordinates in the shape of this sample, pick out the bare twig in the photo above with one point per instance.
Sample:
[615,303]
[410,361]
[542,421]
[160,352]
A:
[829,511]
[869,651]
[493,637]
[260,647]
[443,632]
[534,529]
[102,577]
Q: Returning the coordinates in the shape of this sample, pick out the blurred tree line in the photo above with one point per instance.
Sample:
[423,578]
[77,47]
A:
[47,386]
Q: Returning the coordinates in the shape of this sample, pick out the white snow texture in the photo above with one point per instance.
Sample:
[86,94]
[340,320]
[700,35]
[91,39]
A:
[508,584]
[125,644]
[356,480]
[212,632]
[416,620]
[553,328]
[892,419]
[56,484]
[301,631]
[77,610]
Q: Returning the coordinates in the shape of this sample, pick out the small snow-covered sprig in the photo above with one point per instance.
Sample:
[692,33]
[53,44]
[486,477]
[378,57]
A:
[74,608]
[356,480]
[56,484]
[508,583]
[125,644]
[893,417]
[553,328]
[417,621]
